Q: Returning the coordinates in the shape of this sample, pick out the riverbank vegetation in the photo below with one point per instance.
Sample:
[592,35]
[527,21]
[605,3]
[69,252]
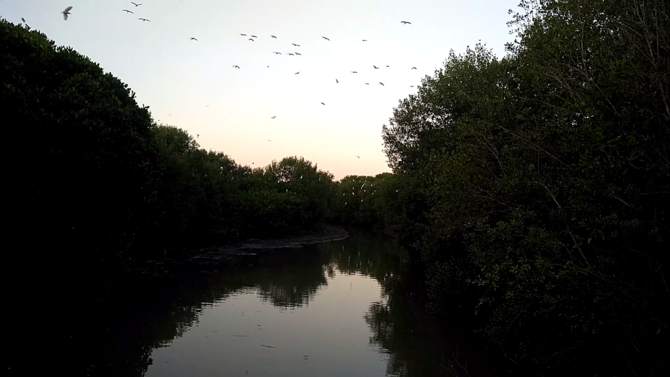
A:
[531,189]
[101,182]
[538,187]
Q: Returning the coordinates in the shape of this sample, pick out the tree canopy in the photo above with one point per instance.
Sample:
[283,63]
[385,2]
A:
[101,182]
[544,184]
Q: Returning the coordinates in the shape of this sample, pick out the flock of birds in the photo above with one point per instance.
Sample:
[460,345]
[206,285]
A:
[252,38]
[66,13]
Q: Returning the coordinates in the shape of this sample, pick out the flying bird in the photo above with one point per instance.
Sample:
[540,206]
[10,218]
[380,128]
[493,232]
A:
[359,157]
[296,45]
[144,19]
[413,67]
[277,53]
[128,11]
[325,38]
[236,66]
[387,66]
[269,140]
[365,40]
[251,39]
[274,117]
[194,39]
[323,104]
[337,81]
[297,72]
[273,37]
[135,4]
[23,20]
[297,53]
[411,86]
[381,83]
[253,36]
[354,71]
[66,12]
[244,35]
[405,22]
[375,67]
[290,54]
[367,83]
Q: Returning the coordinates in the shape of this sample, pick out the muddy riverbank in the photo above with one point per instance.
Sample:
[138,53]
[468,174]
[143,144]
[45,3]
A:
[252,247]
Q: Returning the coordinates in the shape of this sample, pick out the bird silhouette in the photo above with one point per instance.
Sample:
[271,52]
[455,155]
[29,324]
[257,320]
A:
[194,39]
[291,54]
[359,157]
[296,45]
[244,35]
[337,81]
[411,86]
[297,53]
[66,12]
[326,38]
[253,36]
[297,72]
[387,66]
[236,66]
[135,4]
[144,19]
[365,40]
[277,53]
[375,67]
[269,140]
[413,68]
[273,117]
[128,11]
[405,22]
[323,104]
[354,71]
[273,37]
[381,83]
[251,39]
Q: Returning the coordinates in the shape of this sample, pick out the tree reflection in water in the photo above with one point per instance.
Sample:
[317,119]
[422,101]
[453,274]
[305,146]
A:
[117,335]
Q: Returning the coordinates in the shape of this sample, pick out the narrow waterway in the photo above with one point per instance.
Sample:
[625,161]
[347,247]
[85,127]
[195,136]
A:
[338,308]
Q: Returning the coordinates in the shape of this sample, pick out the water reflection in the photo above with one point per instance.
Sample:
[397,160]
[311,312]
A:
[330,309]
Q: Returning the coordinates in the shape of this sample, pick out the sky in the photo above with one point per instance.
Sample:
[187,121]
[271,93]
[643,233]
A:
[193,85]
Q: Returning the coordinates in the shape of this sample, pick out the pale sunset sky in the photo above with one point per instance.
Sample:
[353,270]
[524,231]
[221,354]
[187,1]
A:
[193,85]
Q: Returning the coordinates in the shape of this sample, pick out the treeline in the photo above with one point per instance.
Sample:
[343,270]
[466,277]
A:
[538,188]
[386,203]
[92,179]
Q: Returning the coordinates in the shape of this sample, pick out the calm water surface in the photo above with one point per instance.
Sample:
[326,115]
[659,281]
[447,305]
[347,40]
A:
[314,311]
[332,309]
[254,332]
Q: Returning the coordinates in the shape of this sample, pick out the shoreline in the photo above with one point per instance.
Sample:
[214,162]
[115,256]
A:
[251,247]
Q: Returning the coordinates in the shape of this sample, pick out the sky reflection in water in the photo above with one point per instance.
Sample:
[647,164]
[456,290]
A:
[327,336]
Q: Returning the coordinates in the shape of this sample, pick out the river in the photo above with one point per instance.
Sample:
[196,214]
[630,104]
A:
[339,308]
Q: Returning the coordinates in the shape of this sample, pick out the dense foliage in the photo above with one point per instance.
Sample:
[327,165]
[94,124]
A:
[543,181]
[386,202]
[95,180]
